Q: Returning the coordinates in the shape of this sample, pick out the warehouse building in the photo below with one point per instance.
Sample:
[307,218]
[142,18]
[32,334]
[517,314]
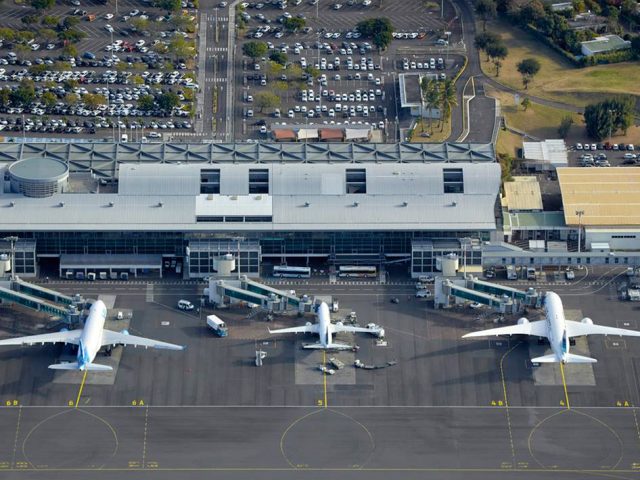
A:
[299,203]
[603,203]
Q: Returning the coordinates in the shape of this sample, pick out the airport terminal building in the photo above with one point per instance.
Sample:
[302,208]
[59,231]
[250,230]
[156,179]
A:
[92,205]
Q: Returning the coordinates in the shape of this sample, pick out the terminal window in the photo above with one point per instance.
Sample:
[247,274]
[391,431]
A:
[453,180]
[210,180]
[258,180]
[356,180]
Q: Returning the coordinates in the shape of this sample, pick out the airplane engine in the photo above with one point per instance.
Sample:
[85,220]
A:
[63,329]
[124,332]
[587,321]
[308,324]
[339,324]
[523,321]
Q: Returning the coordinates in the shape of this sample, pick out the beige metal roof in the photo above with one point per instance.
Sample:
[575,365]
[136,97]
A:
[523,194]
[607,196]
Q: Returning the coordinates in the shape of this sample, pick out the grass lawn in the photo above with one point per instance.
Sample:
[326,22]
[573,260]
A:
[558,79]
[539,120]
[508,143]
[436,137]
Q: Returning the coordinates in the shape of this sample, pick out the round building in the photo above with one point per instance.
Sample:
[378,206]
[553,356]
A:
[38,177]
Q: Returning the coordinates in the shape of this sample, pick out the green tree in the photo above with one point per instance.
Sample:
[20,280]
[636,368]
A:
[5,96]
[71,99]
[49,99]
[483,39]
[379,30]
[47,35]
[70,51]
[431,94]
[30,19]
[168,5]
[43,4]
[294,24]
[70,22]
[180,47]
[273,70]
[528,68]
[255,49]
[146,102]
[49,21]
[93,100]
[294,72]
[137,80]
[37,69]
[448,99]
[279,57]
[264,100]
[314,72]
[7,34]
[140,24]
[635,46]
[24,94]
[168,100]
[526,103]
[497,52]
[606,118]
[485,9]
[565,126]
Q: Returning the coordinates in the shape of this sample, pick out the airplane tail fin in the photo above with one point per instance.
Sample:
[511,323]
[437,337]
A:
[545,359]
[571,358]
[74,366]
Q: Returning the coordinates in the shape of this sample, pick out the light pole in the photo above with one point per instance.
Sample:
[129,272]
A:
[579,213]
[12,240]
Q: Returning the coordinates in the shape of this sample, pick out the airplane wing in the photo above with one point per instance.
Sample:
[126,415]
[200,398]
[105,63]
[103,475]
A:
[579,329]
[71,336]
[537,328]
[114,338]
[304,329]
[345,328]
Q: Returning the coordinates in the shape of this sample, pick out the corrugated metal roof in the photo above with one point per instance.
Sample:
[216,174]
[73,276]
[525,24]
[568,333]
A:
[551,151]
[606,196]
[523,193]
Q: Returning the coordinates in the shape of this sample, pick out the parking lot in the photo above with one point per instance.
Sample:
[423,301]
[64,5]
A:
[90,69]
[355,83]
[607,154]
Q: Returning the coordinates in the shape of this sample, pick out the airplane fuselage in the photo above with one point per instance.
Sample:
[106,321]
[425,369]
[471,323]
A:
[558,339]
[91,338]
[324,321]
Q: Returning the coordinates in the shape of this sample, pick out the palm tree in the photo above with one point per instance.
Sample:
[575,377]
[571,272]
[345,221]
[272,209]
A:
[431,92]
[448,99]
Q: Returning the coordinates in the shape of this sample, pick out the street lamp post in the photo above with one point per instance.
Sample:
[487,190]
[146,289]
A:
[579,213]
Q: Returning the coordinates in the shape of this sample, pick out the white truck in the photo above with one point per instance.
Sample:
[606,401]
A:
[511,273]
[217,325]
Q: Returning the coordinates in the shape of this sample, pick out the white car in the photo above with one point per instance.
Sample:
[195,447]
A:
[108,16]
[185,305]
[570,274]
[475,305]
[35,46]
[140,43]
[109,28]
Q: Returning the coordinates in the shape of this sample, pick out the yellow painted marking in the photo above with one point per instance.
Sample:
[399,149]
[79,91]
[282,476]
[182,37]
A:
[324,377]
[506,402]
[84,377]
[564,384]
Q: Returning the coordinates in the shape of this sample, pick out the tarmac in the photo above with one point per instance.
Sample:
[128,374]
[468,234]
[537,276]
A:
[449,409]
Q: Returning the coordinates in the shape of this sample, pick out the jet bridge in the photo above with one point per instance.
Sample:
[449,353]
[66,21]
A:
[221,292]
[41,299]
[267,291]
[34,303]
[501,298]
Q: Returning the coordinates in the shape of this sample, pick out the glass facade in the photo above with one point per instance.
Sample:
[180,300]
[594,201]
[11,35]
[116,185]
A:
[25,256]
[204,246]
[424,255]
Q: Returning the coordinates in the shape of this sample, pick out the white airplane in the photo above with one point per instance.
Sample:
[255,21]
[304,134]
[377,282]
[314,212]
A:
[557,330]
[89,340]
[325,329]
